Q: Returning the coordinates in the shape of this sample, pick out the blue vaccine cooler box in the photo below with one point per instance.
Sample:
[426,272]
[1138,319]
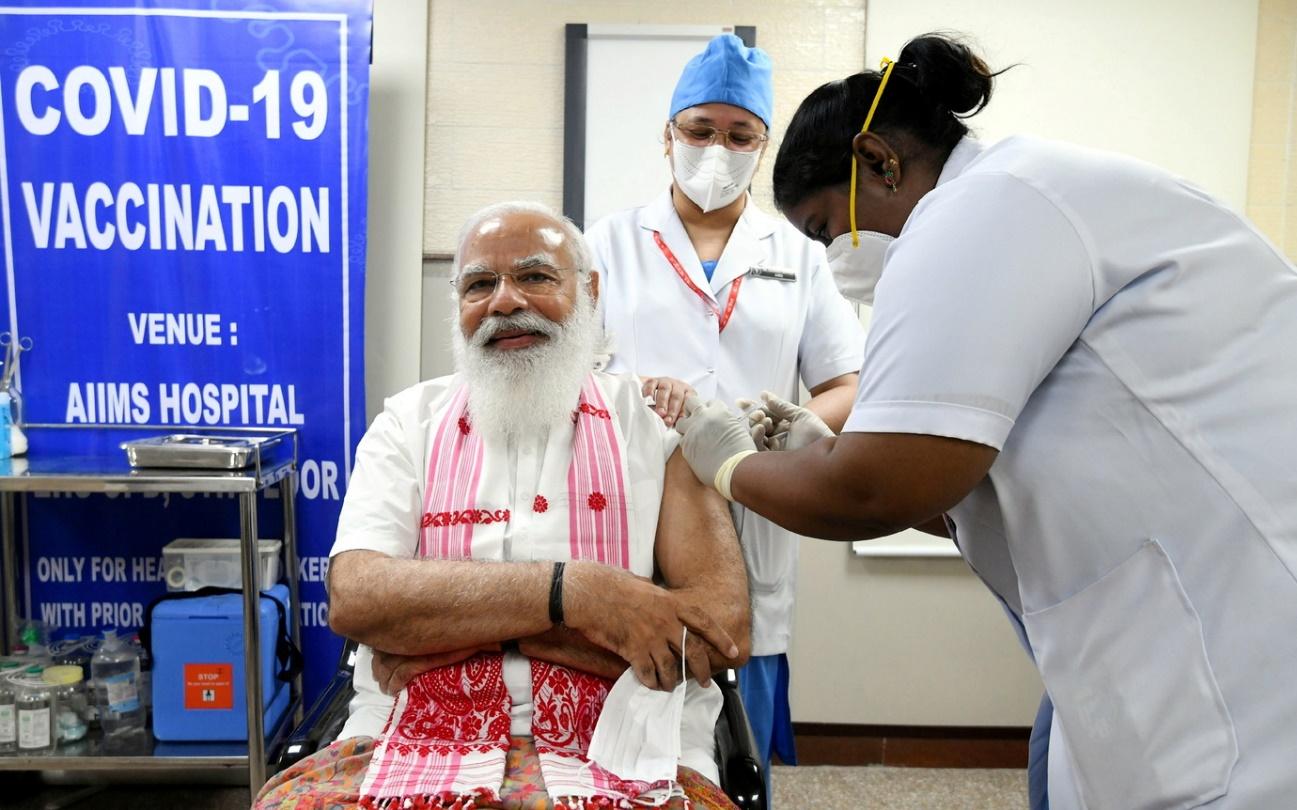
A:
[199,689]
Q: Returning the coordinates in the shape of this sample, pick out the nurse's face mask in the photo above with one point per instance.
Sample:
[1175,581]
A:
[856,262]
[711,173]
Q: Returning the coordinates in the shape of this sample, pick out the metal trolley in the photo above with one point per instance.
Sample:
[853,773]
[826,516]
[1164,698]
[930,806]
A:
[271,462]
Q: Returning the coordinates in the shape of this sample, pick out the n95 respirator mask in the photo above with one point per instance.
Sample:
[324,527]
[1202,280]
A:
[856,270]
[712,176]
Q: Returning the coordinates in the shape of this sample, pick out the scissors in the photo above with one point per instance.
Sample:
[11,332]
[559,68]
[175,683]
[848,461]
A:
[12,348]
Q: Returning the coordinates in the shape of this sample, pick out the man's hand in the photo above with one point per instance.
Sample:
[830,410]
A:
[640,622]
[668,395]
[698,597]
[393,671]
[563,645]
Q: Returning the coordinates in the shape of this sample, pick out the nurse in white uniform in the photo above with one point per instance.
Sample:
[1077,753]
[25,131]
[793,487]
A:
[703,287]
[1089,366]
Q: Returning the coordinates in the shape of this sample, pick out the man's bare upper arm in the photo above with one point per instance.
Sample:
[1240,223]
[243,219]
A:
[696,542]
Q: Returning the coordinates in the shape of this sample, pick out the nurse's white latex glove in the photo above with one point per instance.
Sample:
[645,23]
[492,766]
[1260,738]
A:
[715,441]
[787,426]
[760,424]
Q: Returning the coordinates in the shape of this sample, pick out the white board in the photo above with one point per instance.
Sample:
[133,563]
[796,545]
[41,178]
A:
[909,543]
[631,71]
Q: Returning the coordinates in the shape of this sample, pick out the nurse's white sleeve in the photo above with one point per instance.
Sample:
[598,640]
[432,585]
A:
[833,341]
[381,510]
[598,237]
[987,287]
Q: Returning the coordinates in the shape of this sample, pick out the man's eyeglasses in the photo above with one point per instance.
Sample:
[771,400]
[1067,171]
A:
[480,285]
[738,140]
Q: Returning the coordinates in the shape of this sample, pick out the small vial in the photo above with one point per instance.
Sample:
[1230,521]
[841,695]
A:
[8,712]
[35,710]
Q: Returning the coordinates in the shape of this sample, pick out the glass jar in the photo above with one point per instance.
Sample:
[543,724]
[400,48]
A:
[8,716]
[36,710]
[72,715]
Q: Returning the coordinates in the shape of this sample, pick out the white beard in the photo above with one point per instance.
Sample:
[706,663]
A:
[512,393]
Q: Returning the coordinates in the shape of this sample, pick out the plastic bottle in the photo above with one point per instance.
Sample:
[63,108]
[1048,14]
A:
[116,671]
[146,673]
[35,710]
[34,635]
[8,711]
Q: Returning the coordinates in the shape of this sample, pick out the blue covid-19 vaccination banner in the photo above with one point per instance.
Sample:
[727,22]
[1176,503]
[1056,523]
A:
[183,188]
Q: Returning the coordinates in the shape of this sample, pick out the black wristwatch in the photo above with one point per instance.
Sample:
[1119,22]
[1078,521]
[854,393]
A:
[556,595]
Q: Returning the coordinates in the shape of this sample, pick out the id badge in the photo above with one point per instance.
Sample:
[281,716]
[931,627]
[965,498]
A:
[784,274]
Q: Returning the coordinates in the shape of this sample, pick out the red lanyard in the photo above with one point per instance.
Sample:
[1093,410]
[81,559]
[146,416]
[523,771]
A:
[680,271]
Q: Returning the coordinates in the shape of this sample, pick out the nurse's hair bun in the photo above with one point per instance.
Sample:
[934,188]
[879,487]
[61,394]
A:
[947,73]
[937,82]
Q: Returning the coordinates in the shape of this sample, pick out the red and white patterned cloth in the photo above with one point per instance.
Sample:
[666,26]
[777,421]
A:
[446,741]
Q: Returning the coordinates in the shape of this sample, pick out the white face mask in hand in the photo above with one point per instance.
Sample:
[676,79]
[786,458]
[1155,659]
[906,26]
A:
[638,734]
[712,176]
[856,270]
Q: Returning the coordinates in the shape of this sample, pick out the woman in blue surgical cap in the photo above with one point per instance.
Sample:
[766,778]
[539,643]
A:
[1088,366]
[705,293]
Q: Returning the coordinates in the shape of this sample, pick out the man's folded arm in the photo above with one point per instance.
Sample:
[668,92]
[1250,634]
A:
[422,607]
[698,556]
[563,645]
[700,560]
[418,607]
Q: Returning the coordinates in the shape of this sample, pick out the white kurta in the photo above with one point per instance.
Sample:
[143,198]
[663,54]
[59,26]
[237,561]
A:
[384,505]
[1129,344]
[779,332]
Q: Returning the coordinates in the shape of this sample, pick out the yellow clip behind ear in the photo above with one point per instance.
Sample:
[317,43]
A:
[886,67]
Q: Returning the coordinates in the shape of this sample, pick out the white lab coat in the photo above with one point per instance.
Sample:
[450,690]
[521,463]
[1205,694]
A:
[1129,344]
[779,331]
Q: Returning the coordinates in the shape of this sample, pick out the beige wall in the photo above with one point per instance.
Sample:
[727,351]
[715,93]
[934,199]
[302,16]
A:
[1272,175]
[1167,81]
[393,273]
[495,102]
[495,97]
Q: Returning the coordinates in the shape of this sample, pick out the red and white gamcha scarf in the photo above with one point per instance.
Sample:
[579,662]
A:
[446,742]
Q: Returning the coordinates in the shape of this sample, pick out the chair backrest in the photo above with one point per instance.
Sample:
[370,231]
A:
[347,661]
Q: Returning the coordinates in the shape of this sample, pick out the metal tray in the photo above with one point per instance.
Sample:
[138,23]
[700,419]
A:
[191,450]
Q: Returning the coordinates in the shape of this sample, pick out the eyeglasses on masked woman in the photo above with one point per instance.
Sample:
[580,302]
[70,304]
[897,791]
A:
[737,140]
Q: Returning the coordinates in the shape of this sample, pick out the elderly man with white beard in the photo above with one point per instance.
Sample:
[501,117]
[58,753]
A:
[513,537]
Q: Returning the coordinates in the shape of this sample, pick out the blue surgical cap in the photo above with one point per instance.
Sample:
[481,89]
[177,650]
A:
[727,72]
